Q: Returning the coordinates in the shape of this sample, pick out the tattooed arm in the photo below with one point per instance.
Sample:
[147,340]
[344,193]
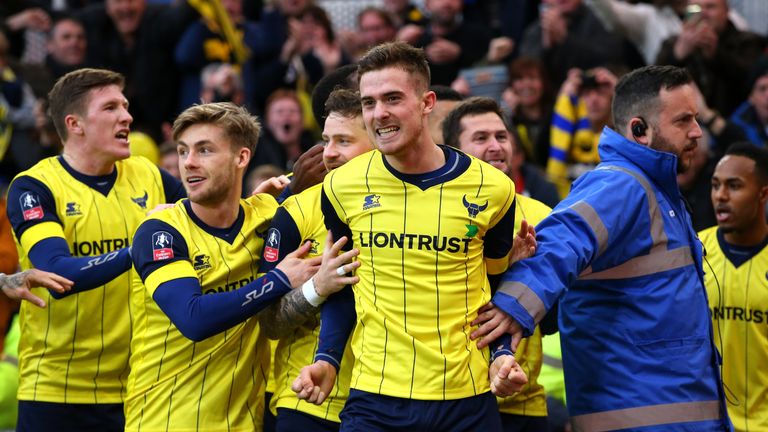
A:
[281,318]
[17,286]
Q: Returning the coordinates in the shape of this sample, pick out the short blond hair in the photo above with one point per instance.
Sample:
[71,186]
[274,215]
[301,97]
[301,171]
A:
[240,126]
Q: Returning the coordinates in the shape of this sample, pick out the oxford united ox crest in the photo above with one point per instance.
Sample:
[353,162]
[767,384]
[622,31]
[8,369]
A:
[472,208]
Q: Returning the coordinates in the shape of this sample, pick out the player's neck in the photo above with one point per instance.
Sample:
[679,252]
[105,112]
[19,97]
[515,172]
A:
[748,237]
[220,215]
[418,159]
[87,164]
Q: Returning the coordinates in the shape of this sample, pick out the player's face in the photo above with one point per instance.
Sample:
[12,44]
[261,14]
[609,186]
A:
[485,137]
[106,123]
[737,195]
[677,131]
[394,107]
[344,138]
[207,164]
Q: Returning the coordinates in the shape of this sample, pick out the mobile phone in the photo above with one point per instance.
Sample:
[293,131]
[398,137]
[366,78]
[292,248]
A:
[692,12]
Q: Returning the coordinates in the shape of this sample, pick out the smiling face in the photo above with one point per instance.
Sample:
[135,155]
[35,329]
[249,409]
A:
[105,124]
[677,131]
[67,43]
[208,165]
[395,106]
[344,138]
[485,137]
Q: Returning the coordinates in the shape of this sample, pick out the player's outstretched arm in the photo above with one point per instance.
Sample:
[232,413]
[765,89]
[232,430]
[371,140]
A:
[493,324]
[506,375]
[294,308]
[315,382]
[17,286]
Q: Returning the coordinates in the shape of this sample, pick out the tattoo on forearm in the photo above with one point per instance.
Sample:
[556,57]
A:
[286,315]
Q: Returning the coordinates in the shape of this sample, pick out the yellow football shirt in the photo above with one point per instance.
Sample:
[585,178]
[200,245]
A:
[217,383]
[76,349]
[427,244]
[737,297]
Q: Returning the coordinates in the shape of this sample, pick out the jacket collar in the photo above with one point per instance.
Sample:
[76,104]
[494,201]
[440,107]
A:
[660,167]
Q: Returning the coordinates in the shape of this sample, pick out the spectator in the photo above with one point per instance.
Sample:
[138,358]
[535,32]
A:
[530,180]
[318,31]
[568,35]
[204,42]
[582,110]
[647,26]
[447,99]
[405,12]
[221,82]
[717,54]
[137,40]
[284,138]
[66,50]
[528,102]
[169,158]
[752,115]
[449,43]
[374,26]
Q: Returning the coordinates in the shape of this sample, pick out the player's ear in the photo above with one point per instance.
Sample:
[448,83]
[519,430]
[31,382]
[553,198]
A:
[429,100]
[763,196]
[73,124]
[243,157]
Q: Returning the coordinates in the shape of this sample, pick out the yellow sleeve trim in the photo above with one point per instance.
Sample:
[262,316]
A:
[40,232]
[175,270]
[497,265]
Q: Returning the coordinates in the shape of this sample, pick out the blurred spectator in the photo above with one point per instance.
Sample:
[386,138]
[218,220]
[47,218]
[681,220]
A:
[25,24]
[17,119]
[447,99]
[569,35]
[9,263]
[374,26]
[528,104]
[169,158]
[449,43]
[221,82]
[138,40]
[646,25]
[405,12]
[582,109]
[529,179]
[717,54]
[695,185]
[752,115]
[205,42]
[259,175]
[66,49]
[318,30]
[284,138]
[755,12]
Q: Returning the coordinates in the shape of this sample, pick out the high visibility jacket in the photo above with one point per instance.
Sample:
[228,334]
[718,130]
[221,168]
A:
[621,255]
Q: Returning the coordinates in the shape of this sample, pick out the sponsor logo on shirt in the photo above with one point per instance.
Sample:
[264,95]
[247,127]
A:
[30,206]
[472,208]
[201,262]
[73,209]
[141,201]
[162,246]
[315,245]
[371,201]
[272,245]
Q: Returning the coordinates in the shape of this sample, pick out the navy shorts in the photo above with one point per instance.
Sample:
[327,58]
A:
[368,412]
[46,416]
[289,420]
[521,423]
